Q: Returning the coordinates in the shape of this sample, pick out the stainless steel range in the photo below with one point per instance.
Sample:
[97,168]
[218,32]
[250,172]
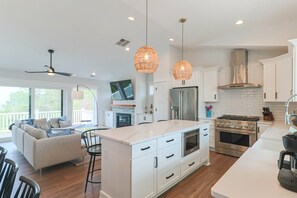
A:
[235,134]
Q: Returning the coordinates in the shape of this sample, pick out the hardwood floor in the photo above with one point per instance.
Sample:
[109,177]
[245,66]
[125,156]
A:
[67,180]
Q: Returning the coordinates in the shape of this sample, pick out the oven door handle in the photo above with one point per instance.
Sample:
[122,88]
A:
[239,131]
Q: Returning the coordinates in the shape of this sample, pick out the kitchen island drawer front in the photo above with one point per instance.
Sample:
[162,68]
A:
[169,140]
[169,154]
[167,177]
[144,148]
[190,163]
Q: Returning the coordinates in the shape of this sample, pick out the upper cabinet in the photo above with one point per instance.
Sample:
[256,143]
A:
[193,81]
[210,85]
[278,78]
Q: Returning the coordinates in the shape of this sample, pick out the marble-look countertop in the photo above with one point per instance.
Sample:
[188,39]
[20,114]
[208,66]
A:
[276,131]
[140,133]
[253,175]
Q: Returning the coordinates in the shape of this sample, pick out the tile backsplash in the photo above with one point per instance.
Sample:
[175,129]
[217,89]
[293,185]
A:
[246,101]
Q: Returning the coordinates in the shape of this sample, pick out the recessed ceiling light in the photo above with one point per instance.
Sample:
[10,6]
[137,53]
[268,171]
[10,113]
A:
[93,74]
[171,39]
[131,18]
[127,48]
[239,22]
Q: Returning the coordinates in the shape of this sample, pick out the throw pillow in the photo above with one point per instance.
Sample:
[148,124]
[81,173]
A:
[41,123]
[18,123]
[62,118]
[37,133]
[64,124]
[55,122]
[59,132]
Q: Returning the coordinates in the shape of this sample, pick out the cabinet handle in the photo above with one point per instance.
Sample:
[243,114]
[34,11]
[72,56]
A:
[183,82]
[275,95]
[170,140]
[215,96]
[205,129]
[291,92]
[192,164]
[205,134]
[169,156]
[143,149]
[156,162]
[144,118]
[156,109]
[264,95]
[170,176]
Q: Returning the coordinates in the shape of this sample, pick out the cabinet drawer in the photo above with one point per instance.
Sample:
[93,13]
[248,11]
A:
[168,155]
[143,148]
[169,140]
[167,177]
[190,163]
[204,128]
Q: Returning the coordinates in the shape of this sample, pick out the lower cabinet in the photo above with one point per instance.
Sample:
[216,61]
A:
[143,176]
[168,176]
[204,144]
[190,163]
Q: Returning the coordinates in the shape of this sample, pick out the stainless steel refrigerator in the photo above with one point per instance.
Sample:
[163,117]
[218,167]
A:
[184,103]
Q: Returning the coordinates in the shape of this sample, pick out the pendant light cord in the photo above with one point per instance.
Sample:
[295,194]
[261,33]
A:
[51,58]
[146,22]
[182,40]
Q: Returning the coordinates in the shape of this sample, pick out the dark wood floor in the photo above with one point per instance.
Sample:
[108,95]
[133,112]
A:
[67,180]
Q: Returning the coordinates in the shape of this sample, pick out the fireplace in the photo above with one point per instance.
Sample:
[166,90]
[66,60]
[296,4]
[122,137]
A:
[123,119]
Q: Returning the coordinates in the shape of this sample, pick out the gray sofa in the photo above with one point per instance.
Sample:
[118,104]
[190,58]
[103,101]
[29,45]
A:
[42,151]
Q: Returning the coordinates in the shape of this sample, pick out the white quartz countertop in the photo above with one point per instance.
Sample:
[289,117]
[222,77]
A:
[276,132]
[253,175]
[139,133]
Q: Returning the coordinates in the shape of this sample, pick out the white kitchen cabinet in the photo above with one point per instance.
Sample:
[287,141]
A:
[193,81]
[108,119]
[143,176]
[144,118]
[204,144]
[210,84]
[211,132]
[262,126]
[277,78]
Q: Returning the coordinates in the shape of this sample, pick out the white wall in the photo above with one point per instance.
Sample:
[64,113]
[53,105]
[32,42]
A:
[238,101]
[22,79]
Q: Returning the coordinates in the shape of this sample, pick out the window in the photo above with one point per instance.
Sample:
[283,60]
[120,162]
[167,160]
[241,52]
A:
[14,105]
[83,110]
[48,103]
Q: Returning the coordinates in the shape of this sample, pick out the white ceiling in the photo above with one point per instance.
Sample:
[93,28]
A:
[83,33]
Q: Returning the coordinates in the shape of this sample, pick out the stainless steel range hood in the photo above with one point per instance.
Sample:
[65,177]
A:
[239,71]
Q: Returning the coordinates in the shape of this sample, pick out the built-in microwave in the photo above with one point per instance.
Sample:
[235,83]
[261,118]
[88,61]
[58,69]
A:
[190,142]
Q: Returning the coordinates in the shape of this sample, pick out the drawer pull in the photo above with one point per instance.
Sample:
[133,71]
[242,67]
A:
[192,164]
[170,156]
[205,134]
[156,162]
[170,140]
[205,129]
[170,176]
[143,149]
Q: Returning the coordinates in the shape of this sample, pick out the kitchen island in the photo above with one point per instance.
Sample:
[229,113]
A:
[146,160]
[255,173]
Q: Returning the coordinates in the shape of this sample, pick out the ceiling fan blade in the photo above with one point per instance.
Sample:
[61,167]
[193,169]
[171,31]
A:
[64,73]
[36,72]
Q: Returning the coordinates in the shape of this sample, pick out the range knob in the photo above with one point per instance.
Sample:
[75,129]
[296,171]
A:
[244,126]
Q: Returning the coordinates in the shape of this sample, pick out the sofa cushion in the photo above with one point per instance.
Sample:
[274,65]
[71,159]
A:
[54,122]
[41,123]
[58,132]
[37,133]
[62,118]
[66,123]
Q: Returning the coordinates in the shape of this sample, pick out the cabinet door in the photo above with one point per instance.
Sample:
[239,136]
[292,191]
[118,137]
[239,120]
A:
[269,82]
[262,128]
[144,176]
[284,80]
[193,81]
[210,85]
[204,143]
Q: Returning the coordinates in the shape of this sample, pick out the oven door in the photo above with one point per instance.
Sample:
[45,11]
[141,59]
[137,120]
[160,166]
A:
[190,142]
[233,139]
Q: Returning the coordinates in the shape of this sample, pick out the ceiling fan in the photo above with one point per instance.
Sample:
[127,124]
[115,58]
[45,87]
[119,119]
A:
[50,70]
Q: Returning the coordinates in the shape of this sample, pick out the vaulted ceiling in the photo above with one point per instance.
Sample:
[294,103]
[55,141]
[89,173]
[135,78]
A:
[83,33]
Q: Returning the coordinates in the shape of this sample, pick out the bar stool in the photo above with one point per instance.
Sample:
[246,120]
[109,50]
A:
[28,188]
[7,177]
[3,152]
[93,146]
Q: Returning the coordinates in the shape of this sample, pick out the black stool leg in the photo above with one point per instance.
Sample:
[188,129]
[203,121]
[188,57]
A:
[93,167]
[87,179]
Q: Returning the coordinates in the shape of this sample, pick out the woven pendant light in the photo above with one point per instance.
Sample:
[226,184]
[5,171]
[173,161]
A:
[182,70]
[146,59]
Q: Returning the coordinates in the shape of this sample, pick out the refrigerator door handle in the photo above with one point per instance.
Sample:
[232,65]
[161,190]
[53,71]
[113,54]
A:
[181,105]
